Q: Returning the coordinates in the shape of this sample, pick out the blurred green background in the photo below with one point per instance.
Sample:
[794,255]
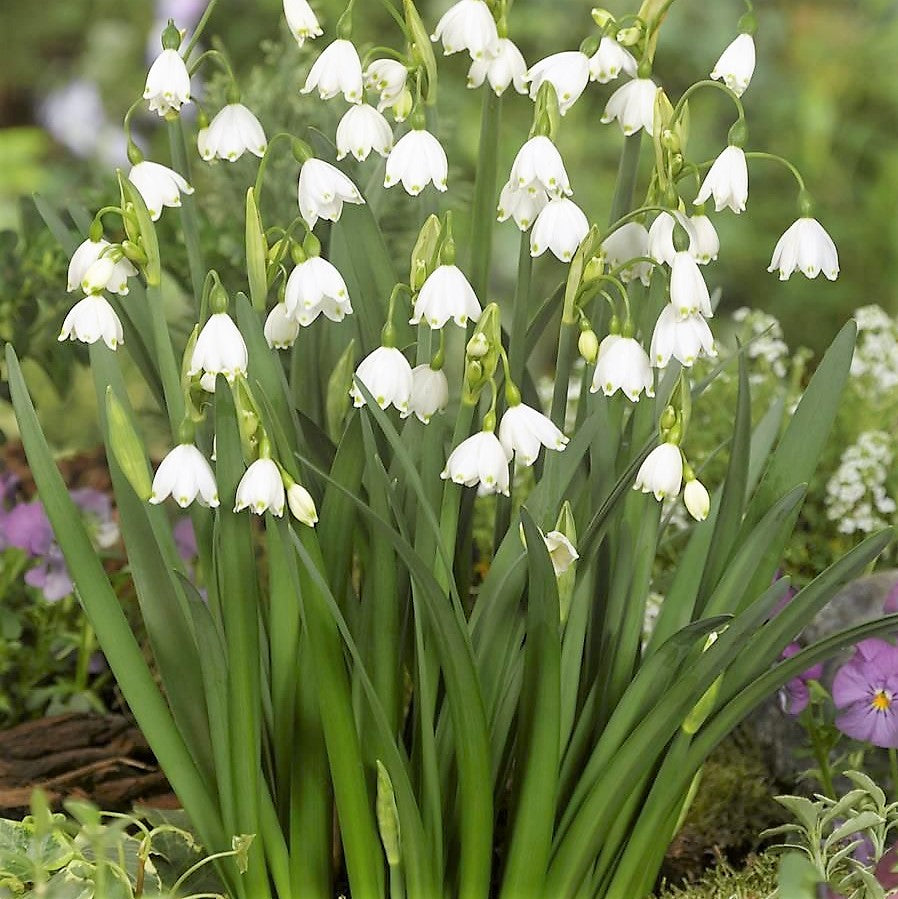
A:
[824,95]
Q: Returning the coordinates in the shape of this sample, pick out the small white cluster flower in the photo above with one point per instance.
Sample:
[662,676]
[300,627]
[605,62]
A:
[219,350]
[480,461]
[567,72]
[93,319]
[387,77]
[315,287]
[560,227]
[430,393]
[624,245]
[523,430]
[468,25]
[623,365]
[661,473]
[736,64]
[875,359]
[93,270]
[506,68]
[685,339]
[763,339]
[281,328]
[857,496]
[610,60]
[261,489]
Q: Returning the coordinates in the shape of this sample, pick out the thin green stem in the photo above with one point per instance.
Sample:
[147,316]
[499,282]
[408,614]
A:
[215,56]
[484,203]
[263,165]
[189,219]
[821,755]
[200,28]
[681,103]
[517,340]
[567,342]
[86,646]
[772,157]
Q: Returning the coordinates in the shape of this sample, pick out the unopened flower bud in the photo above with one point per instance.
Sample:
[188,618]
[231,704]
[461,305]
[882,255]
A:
[629,37]
[696,498]
[668,418]
[478,346]
[670,139]
[602,17]
[301,504]
[594,269]
[588,345]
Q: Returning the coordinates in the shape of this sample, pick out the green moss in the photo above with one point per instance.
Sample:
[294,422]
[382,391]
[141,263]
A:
[756,880]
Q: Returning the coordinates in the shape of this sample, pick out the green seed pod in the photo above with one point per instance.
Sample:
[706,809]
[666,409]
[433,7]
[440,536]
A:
[588,345]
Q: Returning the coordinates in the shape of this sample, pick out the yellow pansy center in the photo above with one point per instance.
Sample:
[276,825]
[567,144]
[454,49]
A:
[882,700]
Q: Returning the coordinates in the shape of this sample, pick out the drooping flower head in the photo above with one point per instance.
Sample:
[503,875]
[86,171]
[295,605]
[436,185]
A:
[685,339]
[567,72]
[505,68]
[185,475]
[261,489]
[338,70]
[301,20]
[220,349]
[662,472]
[168,83]
[805,247]
[633,105]
[524,430]
[726,181]
[91,320]
[629,242]
[323,189]
[865,691]
[795,696]
[417,160]
[610,60]
[232,132]
[481,462]
[623,365]
[112,277]
[430,393]
[539,165]
[361,130]
[159,186]
[736,64]
[468,25]
[560,227]
[446,294]
[387,376]
[315,287]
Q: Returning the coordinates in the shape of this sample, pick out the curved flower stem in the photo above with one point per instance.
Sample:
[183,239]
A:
[189,219]
[624,219]
[772,157]
[681,103]
[484,203]
[200,28]
[215,56]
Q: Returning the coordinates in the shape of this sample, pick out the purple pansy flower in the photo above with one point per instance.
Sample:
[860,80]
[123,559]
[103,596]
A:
[865,689]
[795,695]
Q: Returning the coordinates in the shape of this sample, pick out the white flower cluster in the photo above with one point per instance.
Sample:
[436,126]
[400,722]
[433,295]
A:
[763,339]
[875,360]
[857,496]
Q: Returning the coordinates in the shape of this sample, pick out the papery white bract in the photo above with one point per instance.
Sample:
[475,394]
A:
[560,227]
[83,260]
[417,159]
[684,339]
[610,60]
[468,25]
[281,329]
[633,105]
[159,186]
[387,77]
[301,505]
[561,552]
[361,130]
[662,472]
[623,365]
[323,189]
[805,247]
[168,83]
[315,286]
[481,462]
[696,498]
[688,291]
[736,64]
[93,319]
[630,241]
[301,20]
[505,68]
[220,349]
[386,374]
[523,430]
[185,475]
[232,132]
[338,70]
[261,489]
[430,393]
[539,165]
[567,72]
[523,204]
[705,244]
[726,181]
[446,294]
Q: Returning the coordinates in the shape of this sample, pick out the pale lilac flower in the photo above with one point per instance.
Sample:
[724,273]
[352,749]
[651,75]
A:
[795,695]
[865,690]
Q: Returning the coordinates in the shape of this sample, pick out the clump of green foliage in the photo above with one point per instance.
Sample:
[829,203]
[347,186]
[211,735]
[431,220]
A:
[755,880]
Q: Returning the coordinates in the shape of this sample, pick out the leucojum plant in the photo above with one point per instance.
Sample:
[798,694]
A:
[384,709]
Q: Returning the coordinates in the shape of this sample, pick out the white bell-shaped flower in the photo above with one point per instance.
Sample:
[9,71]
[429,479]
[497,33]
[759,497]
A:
[684,339]
[481,462]
[522,204]
[468,25]
[726,181]
[417,160]
[430,393]
[281,329]
[661,245]
[567,72]
[301,504]
[323,189]
[185,475]
[315,287]
[388,78]
[83,260]
[630,241]
[561,552]
[261,489]
[736,64]
[219,350]
[560,227]
[388,378]
[361,130]
[93,319]
[168,83]
[688,291]
[446,294]
[805,247]
[705,244]
[505,68]
[523,430]
[610,60]
[633,105]
[539,165]
[337,71]
[302,21]
[159,186]
[623,365]
[662,472]
[696,499]
[232,132]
